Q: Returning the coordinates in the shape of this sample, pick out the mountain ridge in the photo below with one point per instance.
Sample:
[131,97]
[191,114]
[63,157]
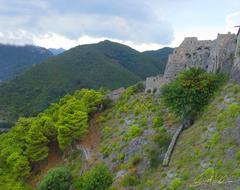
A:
[14,60]
[105,64]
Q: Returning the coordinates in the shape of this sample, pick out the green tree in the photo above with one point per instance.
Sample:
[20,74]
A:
[190,91]
[19,165]
[99,178]
[37,143]
[72,122]
[56,179]
[91,99]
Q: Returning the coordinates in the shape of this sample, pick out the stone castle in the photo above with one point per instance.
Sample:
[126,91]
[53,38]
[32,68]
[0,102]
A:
[221,54]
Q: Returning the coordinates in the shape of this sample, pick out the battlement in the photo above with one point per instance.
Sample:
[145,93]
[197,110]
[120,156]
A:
[210,55]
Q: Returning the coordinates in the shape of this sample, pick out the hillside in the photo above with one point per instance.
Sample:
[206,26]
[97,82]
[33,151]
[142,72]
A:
[15,59]
[131,137]
[105,64]
[161,54]
[207,154]
[144,64]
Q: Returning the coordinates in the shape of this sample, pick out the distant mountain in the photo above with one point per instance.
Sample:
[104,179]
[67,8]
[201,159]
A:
[56,51]
[15,59]
[160,57]
[105,64]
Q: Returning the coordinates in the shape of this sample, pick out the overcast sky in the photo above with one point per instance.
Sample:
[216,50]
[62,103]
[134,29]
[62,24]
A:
[142,24]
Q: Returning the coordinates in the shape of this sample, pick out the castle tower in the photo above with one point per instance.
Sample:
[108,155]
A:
[237,55]
[235,76]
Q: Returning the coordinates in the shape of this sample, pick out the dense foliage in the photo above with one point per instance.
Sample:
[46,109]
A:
[106,64]
[28,142]
[190,91]
[16,59]
[98,178]
[56,179]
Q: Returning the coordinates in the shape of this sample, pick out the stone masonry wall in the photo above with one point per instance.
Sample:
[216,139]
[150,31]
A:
[153,84]
[206,54]
[235,73]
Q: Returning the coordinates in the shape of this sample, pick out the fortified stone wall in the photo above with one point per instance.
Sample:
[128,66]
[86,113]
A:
[206,54]
[116,94]
[153,84]
[235,74]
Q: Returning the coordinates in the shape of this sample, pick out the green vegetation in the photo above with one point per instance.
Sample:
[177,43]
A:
[56,179]
[15,59]
[135,132]
[207,154]
[130,180]
[99,178]
[28,142]
[190,91]
[105,64]
[175,184]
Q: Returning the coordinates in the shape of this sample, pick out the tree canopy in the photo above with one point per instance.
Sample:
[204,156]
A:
[28,142]
[190,91]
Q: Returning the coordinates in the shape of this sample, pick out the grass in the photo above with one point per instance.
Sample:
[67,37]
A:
[209,149]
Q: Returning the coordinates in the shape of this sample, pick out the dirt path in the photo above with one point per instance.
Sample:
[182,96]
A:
[54,159]
[89,145]
[92,138]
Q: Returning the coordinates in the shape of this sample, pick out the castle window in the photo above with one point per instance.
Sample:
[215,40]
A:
[188,55]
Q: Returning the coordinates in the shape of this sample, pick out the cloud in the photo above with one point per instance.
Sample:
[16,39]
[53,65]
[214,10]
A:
[53,40]
[134,21]
[233,20]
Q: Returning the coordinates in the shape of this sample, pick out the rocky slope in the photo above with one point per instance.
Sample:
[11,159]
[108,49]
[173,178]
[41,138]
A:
[135,133]
[207,154]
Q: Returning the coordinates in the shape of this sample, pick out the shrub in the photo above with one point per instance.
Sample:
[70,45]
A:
[190,91]
[56,179]
[135,160]
[175,184]
[157,121]
[133,132]
[130,180]
[155,157]
[162,138]
[98,178]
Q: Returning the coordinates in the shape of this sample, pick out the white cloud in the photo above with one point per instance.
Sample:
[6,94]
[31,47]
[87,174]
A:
[207,33]
[59,20]
[53,40]
[232,20]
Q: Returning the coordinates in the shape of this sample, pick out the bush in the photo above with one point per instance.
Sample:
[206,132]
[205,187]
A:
[190,92]
[157,121]
[155,157]
[130,180]
[98,178]
[56,179]
[162,138]
[133,132]
[175,184]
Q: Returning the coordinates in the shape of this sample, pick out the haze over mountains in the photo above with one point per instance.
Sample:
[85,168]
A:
[15,59]
[56,51]
[105,64]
